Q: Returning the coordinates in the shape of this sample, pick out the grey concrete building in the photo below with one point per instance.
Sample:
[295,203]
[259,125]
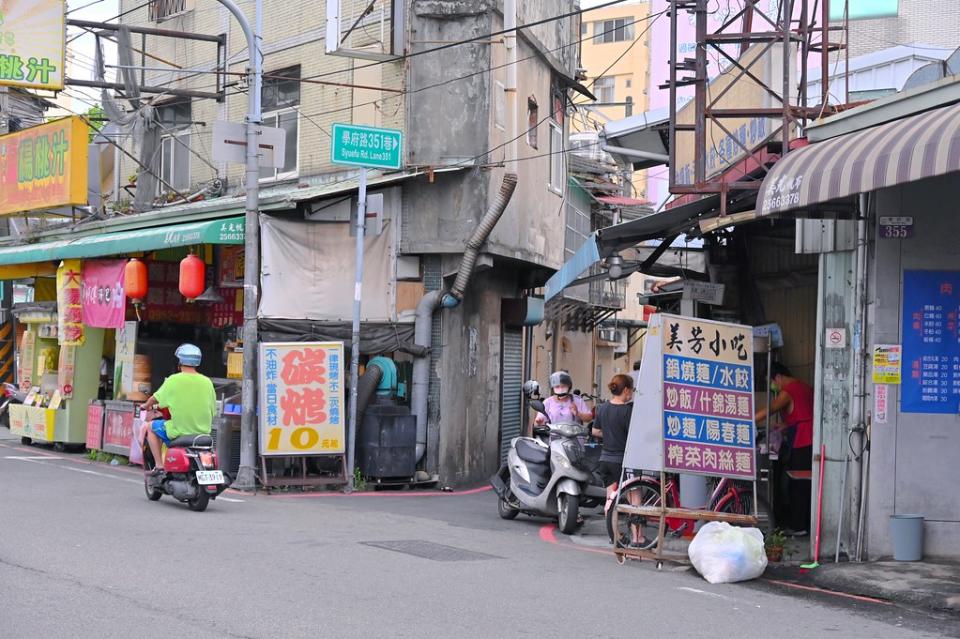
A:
[470,114]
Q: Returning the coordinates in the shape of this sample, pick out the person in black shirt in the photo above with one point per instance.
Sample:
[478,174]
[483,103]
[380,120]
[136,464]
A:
[611,423]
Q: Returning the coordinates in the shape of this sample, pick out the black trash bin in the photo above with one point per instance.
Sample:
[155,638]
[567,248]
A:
[387,442]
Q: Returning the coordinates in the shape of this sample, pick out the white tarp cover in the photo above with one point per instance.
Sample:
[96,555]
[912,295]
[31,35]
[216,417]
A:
[308,271]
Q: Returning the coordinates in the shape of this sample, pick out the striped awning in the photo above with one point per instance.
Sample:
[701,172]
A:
[906,150]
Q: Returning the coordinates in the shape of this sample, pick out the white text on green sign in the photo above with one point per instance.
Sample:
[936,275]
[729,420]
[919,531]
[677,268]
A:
[367,146]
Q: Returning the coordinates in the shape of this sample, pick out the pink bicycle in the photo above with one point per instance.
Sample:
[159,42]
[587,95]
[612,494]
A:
[642,532]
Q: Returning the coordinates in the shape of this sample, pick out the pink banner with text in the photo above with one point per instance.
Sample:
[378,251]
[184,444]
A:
[104,299]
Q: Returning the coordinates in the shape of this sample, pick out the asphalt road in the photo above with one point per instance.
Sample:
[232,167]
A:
[84,554]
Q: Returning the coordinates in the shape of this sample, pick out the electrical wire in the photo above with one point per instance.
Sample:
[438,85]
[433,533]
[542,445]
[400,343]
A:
[469,161]
[653,17]
[379,101]
[86,6]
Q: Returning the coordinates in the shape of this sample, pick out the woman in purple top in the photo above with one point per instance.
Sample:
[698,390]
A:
[563,407]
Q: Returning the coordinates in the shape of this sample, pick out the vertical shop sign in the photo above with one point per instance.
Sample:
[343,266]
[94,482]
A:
[28,351]
[65,371]
[881,404]
[124,360]
[931,342]
[94,426]
[104,298]
[301,398]
[70,303]
[707,422]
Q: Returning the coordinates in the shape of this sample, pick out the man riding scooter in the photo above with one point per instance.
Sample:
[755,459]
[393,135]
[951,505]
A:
[189,397]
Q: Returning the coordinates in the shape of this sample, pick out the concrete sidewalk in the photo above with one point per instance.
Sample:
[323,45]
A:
[922,584]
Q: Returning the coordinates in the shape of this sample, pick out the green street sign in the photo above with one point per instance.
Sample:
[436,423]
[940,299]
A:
[367,146]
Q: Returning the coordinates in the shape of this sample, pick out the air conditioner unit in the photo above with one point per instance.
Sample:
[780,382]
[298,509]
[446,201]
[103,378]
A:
[609,335]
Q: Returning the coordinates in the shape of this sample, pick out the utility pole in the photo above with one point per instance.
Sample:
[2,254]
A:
[355,335]
[246,476]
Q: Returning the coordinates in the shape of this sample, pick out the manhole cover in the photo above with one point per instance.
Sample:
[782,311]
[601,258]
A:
[430,550]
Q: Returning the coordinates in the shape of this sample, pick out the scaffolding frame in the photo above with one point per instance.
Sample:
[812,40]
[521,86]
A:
[804,24]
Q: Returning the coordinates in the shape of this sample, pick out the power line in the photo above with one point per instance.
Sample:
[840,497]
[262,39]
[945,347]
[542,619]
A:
[86,6]
[443,82]
[450,45]
[639,37]
[488,36]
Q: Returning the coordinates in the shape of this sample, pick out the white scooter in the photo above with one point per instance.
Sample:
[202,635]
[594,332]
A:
[548,477]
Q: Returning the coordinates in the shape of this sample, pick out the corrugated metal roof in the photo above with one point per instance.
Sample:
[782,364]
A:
[271,199]
[619,200]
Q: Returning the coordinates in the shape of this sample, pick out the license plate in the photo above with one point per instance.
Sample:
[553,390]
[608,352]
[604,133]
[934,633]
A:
[208,477]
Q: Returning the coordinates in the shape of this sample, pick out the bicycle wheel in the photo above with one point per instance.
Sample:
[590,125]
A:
[623,529]
[734,502]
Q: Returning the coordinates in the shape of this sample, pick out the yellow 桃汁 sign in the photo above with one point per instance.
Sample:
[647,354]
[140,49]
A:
[32,43]
[44,166]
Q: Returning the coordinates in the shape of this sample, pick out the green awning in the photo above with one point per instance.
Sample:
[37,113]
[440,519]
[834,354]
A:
[223,231]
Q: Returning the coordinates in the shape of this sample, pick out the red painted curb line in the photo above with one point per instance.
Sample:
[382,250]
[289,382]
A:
[829,592]
[420,493]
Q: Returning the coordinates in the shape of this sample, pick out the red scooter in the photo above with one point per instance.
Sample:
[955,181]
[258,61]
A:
[191,471]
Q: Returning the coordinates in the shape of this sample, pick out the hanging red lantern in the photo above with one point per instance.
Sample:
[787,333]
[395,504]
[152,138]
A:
[192,277]
[135,280]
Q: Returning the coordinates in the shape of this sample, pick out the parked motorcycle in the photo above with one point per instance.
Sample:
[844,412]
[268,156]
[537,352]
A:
[191,472]
[546,476]
[10,394]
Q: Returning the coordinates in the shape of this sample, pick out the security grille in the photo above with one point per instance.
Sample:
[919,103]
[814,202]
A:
[511,388]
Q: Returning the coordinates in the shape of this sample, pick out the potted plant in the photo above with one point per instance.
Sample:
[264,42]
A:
[774,545]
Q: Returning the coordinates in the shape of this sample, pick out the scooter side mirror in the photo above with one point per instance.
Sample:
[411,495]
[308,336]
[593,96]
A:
[538,406]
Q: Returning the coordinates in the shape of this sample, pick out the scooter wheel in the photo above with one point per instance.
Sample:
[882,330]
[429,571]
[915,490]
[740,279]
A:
[568,507]
[152,493]
[621,558]
[505,510]
[200,502]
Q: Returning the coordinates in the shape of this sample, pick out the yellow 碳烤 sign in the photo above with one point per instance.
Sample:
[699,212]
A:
[44,166]
[32,43]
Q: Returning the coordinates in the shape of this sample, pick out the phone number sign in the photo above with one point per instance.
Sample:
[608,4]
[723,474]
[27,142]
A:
[708,426]
[301,398]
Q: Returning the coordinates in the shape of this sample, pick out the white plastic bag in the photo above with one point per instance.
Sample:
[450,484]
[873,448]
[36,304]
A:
[724,554]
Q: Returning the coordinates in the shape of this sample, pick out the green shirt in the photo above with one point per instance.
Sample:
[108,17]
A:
[191,401]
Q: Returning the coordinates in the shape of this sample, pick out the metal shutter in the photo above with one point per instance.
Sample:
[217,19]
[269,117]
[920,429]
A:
[511,388]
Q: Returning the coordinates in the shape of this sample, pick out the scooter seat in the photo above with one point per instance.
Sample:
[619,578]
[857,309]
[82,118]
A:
[187,441]
[530,452]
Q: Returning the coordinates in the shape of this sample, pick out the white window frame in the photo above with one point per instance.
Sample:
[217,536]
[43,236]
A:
[556,159]
[180,149]
[605,31]
[607,92]
[279,174]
